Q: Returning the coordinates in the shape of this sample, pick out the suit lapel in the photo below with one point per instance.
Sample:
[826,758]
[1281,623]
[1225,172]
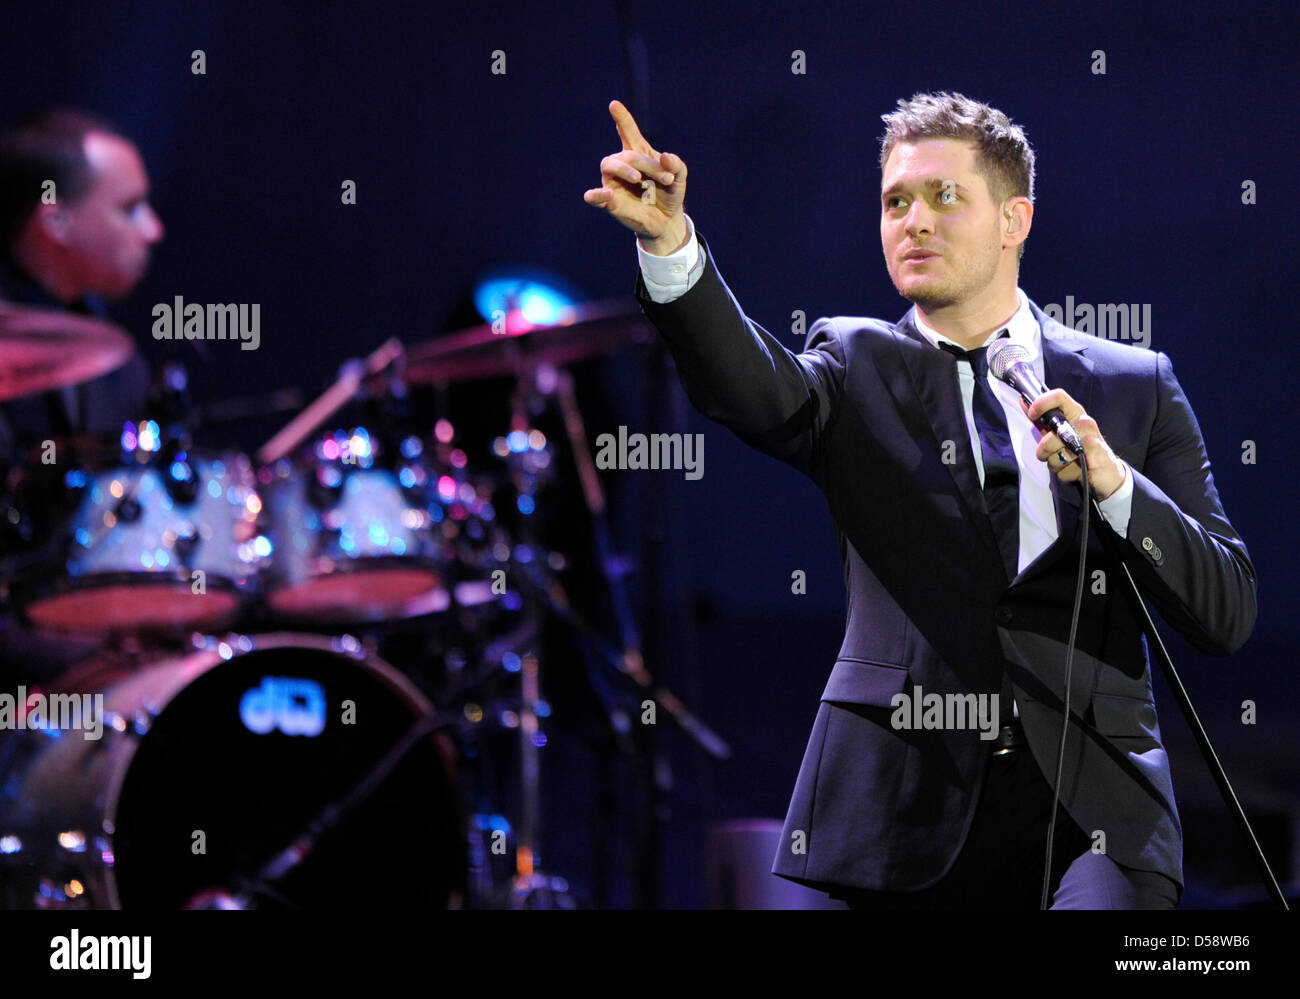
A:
[931,378]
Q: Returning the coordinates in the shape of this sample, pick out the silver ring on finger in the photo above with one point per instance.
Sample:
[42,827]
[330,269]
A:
[1065,459]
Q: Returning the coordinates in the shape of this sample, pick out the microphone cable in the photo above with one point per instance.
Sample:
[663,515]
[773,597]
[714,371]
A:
[1069,667]
[1008,362]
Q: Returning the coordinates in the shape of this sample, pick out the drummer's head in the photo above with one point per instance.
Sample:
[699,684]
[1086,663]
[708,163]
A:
[74,206]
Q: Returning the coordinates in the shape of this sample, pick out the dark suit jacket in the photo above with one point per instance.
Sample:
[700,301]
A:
[865,411]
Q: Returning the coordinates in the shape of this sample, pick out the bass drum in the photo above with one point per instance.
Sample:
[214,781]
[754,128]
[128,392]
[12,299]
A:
[210,765]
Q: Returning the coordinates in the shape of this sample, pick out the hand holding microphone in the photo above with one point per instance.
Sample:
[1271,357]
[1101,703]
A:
[1068,431]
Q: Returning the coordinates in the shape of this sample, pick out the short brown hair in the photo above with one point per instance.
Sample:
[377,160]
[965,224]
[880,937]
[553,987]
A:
[1002,153]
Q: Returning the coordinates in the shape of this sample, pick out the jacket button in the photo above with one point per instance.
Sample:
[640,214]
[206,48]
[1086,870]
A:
[1157,554]
[1002,615]
[1147,544]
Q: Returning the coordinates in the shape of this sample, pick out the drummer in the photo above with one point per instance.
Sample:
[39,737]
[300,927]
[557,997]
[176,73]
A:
[76,231]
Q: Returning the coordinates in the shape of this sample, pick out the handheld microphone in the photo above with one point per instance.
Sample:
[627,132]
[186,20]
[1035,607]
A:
[1009,362]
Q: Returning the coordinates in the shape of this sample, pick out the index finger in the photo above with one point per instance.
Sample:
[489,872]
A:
[627,130]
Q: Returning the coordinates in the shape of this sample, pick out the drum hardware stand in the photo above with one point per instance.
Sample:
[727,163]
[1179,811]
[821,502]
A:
[594,497]
[631,660]
[547,383]
[532,888]
[552,592]
[657,778]
[350,380]
[605,652]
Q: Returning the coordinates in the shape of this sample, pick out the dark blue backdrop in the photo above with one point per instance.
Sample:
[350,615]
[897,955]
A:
[1138,201]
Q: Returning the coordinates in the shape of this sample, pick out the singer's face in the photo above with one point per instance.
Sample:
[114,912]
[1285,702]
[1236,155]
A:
[939,226]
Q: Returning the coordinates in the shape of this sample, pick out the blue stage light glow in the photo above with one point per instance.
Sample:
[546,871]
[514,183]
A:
[541,297]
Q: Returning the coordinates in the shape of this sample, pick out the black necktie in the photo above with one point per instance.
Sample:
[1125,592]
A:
[1001,480]
[1001,473]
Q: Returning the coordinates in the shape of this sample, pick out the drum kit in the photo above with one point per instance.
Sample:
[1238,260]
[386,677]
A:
[309,657]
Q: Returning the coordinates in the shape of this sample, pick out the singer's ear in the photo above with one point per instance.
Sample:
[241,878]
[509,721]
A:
[1017,219]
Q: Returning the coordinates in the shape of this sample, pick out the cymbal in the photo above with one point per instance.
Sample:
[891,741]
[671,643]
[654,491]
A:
[43,349]
[479,352]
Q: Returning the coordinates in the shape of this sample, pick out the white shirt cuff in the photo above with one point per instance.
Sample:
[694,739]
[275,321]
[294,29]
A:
[669,278]
[1118,506]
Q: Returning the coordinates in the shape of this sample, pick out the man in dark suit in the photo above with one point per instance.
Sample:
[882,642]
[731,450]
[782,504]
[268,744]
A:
[959,529]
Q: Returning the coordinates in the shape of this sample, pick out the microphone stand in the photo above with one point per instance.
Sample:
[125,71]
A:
[1193,721]
[1014,370]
